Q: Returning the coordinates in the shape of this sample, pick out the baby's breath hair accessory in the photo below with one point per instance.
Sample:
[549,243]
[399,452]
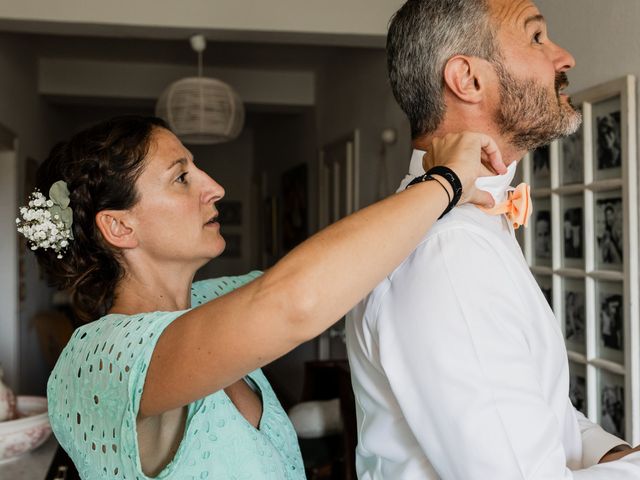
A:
[46,222]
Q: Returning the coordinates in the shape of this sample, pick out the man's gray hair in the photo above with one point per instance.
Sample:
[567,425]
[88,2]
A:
[423,36]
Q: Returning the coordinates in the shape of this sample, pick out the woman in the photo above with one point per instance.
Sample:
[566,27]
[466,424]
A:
[165,382]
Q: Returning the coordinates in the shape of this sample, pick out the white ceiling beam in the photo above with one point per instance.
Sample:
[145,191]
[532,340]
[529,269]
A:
[68,78]
[330,22]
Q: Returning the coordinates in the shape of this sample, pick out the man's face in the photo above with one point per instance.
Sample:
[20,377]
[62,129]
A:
[532,111]
[609,216]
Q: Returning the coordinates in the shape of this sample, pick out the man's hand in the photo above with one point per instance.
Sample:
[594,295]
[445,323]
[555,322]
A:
[618,452]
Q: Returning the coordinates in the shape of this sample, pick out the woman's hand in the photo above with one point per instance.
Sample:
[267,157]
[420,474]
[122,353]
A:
[470,155]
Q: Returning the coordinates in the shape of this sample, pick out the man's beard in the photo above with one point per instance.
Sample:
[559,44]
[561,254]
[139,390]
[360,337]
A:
[529,116]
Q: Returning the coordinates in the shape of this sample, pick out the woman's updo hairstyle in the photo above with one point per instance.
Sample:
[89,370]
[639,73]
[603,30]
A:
[100,166]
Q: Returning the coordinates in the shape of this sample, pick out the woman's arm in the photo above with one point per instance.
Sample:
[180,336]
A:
[214,345]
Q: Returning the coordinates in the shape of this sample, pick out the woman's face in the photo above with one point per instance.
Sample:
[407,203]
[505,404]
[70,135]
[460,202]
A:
[174,218]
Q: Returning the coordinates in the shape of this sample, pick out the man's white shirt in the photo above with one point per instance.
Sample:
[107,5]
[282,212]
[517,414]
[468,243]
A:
[459,366]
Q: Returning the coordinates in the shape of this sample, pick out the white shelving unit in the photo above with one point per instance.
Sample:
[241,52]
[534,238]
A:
[583,249]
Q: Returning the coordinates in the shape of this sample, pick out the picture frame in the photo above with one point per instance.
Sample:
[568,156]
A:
[595,260]
[542,230]
[571,158]
[574,315]
[610,324]
[609,230]
[573,241]
[611,403]
[578,386]
[546,287]
[606,127]
[541,159]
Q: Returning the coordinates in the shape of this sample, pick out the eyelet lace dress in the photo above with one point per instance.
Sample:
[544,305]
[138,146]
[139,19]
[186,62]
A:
[94,394]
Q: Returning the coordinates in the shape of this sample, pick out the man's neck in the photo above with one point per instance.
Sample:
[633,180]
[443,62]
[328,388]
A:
[509,153]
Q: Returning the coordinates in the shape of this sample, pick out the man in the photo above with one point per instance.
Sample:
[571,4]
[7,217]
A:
[453,380]
[610,242]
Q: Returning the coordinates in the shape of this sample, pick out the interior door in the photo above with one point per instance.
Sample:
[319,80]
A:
[338,197]
[9,326]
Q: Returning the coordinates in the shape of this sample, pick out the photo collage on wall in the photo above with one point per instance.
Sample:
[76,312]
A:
[579,247]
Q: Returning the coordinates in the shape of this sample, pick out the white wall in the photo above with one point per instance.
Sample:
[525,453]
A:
[603,36]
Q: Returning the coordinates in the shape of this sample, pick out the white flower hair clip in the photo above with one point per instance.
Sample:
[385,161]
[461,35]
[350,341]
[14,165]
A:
[46,222]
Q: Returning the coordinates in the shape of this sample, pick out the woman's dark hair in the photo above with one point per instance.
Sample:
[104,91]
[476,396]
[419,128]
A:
[100,165]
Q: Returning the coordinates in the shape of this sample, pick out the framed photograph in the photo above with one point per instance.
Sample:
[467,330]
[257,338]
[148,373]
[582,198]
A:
[609,221]
[572,232]
[542,231]
[574,313]
[542,167]
[610,321]
[578,386]
[612,403]
[571,153]
[607,138]
[229,212]
[546,288]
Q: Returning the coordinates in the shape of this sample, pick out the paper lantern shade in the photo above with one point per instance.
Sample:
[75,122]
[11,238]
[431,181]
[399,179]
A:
[201,110]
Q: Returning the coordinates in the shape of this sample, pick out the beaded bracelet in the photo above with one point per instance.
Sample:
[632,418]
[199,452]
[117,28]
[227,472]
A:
[450,176]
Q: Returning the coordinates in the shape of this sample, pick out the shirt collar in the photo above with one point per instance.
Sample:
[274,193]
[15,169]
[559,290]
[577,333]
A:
[497,185]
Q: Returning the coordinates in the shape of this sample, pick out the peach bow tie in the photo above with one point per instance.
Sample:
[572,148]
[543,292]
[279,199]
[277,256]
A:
[517,207]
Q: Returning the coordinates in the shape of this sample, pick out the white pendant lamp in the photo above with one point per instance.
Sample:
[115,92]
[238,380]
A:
[201,110]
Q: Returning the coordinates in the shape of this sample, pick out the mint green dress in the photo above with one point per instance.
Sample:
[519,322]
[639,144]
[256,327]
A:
[94,394]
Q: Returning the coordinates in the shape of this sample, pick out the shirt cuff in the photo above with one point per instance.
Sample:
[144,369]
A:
[596,442]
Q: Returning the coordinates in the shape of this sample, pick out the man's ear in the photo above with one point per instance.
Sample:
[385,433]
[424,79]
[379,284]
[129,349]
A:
[116,229]
[463,76]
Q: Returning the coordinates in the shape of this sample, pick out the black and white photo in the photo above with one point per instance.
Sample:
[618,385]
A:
[577,392]
[542,167]
[612,407]
[611,321]
[609,141]
[609,232]
[542,233]
[572,161]
[574,317]
[572,226]
[545,284]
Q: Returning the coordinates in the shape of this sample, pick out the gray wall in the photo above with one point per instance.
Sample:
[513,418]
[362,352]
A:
[353,92]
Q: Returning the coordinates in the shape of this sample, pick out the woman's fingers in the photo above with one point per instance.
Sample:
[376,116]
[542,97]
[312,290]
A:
[481,198]
[491,155]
